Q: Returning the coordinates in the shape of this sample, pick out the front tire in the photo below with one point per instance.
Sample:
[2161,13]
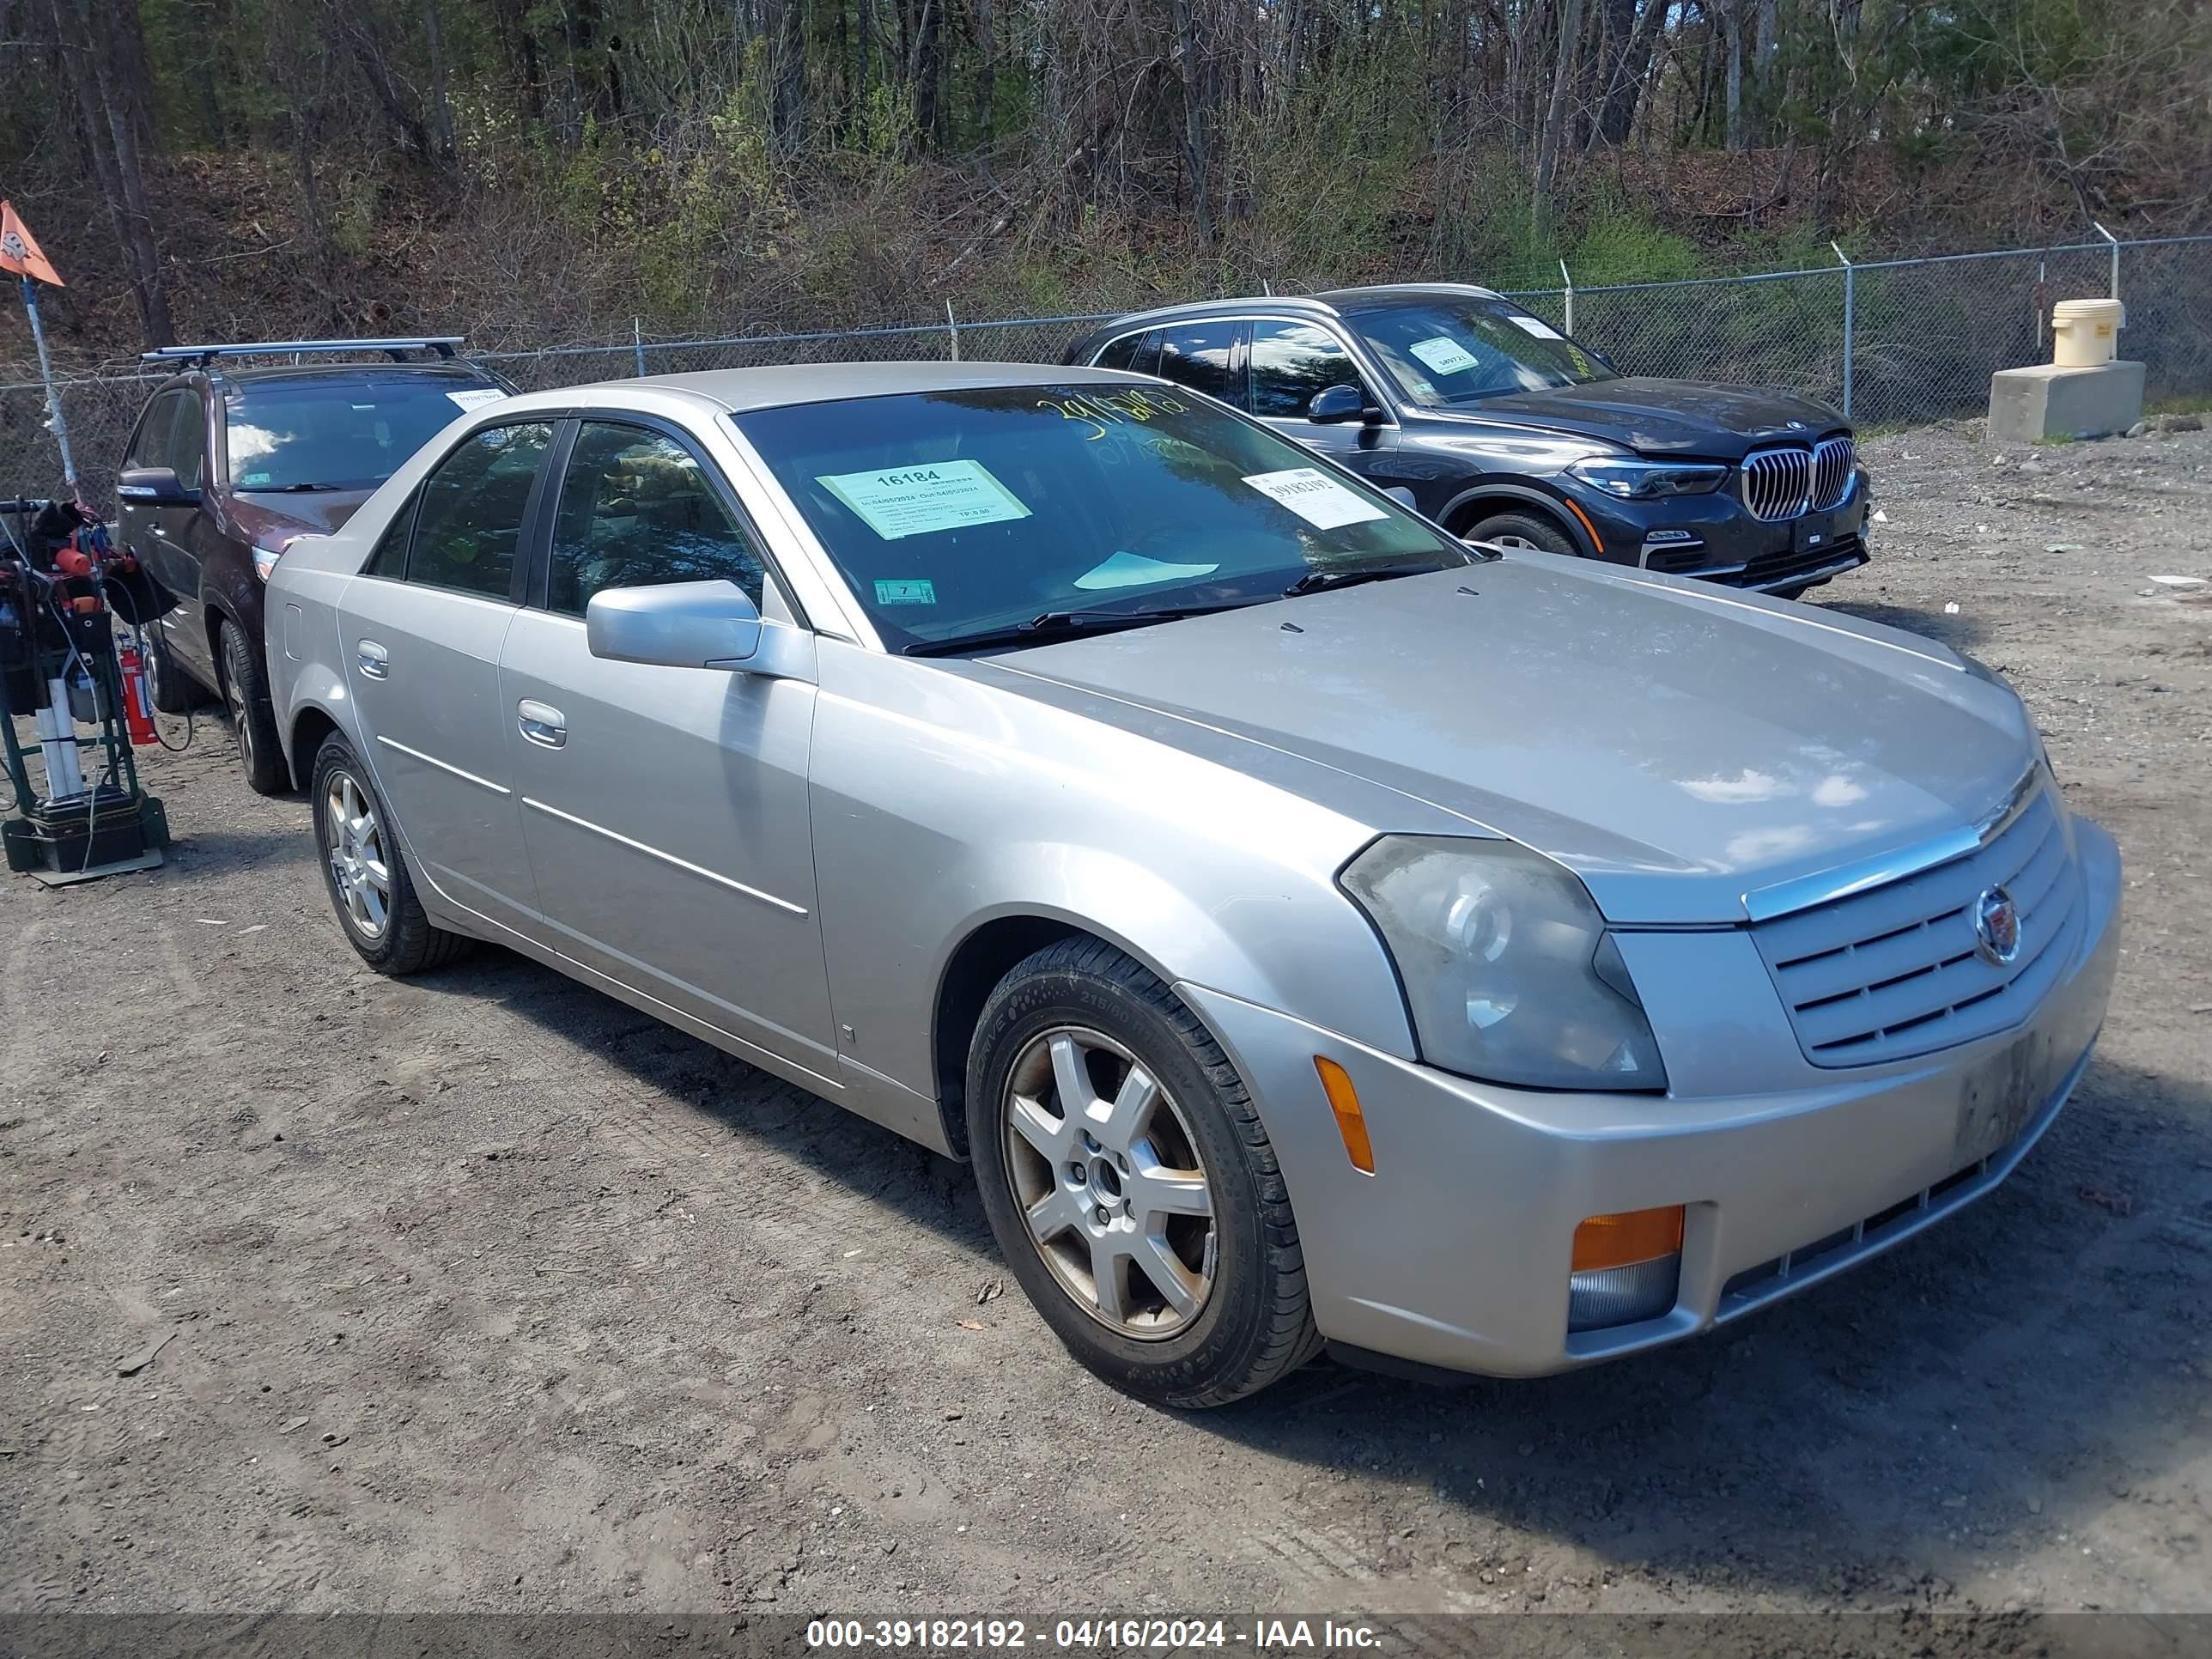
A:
[252,721]
[365,873]
[1525,530]
[1130,1183]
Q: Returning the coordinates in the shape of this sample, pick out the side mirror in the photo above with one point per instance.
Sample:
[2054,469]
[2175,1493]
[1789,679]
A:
[681,625]
[1335,405]
[154,486]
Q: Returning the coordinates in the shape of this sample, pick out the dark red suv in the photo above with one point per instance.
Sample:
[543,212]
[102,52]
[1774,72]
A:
[230,464]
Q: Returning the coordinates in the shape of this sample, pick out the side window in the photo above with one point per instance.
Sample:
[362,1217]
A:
[1290,361]
[1198,355]
[188,441]
[470,516]
[388,559]
[1121,353]
[638,510]
[150,448]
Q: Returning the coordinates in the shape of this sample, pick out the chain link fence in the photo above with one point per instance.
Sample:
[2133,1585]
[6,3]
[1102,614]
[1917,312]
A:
[1894,342]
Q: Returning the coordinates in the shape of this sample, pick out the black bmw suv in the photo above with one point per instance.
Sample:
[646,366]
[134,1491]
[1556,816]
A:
[1483,416]
[229,464]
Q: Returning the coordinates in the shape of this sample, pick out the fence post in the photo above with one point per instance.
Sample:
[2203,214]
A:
[637,337]
[953,327]
[1850,308]
[2115,241]
[1569,280]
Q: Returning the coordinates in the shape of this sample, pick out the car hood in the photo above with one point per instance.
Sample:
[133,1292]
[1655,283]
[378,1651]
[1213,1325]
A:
[1676,746]
[262,514]
[1665,417]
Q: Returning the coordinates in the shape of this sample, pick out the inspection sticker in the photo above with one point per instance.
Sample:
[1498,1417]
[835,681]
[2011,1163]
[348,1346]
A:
[913,591]
[477,397]
[1445,356]
[913,501]
[1315,497]
[1537,327]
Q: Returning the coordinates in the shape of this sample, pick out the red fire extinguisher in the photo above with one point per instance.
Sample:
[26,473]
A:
[137,704]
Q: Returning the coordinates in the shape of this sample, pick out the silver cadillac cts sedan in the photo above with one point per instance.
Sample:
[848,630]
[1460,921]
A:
[1312,929]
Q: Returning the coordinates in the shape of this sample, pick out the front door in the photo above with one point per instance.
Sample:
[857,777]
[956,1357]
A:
[163,538]
[665,808]
[1287,364]
[420,630]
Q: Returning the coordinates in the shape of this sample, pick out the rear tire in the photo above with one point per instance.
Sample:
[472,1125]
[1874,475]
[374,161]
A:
[1524,531]
[365,873]
[170,690]
[1150,1225]
[252,721]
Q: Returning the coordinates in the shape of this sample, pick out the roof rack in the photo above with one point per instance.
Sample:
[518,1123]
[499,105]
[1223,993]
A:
[205,355]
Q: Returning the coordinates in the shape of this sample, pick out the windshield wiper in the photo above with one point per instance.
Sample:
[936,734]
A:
[1059,624]
[286,489]
[1322,581]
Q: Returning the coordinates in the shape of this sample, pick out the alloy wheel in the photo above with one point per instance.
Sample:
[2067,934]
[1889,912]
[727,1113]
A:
[1110,1183]
[241,722]
[353,839]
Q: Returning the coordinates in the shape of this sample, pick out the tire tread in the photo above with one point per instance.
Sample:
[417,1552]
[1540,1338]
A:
[1290,1338]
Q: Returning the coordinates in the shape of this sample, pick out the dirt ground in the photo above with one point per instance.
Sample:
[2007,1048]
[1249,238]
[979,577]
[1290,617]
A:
[481,1292]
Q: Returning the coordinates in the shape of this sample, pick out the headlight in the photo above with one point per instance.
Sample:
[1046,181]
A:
[1642,481]
[265,556]
[1511,974]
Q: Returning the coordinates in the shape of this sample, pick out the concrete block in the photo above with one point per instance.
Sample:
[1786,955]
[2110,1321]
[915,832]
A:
[2047,401]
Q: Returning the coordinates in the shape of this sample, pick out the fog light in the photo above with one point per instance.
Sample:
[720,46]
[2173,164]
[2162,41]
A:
[1624,1268]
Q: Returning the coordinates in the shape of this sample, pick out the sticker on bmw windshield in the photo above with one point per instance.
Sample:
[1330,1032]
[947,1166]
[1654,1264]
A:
[477,397]
[1445,356]
[915,500]
[1315,497]
[1537,327]
[915,589]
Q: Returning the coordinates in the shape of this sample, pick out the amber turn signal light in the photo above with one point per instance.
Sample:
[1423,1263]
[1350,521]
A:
[1351,1122]
[1623,1240]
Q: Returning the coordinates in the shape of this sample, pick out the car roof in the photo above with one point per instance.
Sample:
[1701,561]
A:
[1330,302]
[736,391]
[460,369]
[1380,296]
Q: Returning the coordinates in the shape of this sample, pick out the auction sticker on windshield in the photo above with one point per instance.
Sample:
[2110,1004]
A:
[477,397]
[914,500]
[1446,356]
[1537,327]
[1315,497]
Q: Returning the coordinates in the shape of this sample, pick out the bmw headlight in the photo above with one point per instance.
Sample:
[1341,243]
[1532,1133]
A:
[1511,974]
[1639,481]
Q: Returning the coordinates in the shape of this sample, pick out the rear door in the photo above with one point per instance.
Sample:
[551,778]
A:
[667,809]
[420,630]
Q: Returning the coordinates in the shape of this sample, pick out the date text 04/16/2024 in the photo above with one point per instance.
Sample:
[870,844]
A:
[1079,1635]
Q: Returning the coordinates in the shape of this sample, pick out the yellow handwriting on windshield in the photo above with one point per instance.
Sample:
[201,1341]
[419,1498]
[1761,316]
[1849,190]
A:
[1100,409]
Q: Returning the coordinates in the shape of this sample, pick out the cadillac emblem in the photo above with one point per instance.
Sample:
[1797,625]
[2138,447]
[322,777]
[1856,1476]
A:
[1997,927]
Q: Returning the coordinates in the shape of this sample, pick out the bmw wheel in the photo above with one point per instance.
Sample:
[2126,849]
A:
[1130,1184]
[1524,532]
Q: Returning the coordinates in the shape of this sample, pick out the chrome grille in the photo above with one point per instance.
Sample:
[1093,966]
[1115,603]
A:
[1778,483]
[1832,461]
[1893,972]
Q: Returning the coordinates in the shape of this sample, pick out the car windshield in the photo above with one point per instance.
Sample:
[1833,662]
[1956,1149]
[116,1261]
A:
[338,432]
[960,514]
[1460,350]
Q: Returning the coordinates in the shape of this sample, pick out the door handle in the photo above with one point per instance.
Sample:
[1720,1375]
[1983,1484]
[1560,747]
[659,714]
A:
[542,724]
[372,659]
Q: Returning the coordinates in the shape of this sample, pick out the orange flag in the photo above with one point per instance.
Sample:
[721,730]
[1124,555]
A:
[19,251]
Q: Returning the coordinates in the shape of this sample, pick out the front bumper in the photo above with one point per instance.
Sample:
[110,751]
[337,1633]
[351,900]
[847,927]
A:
[1456,1252]
[1716,538]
